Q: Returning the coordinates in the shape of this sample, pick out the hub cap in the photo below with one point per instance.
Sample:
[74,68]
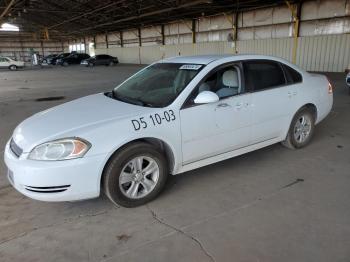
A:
[139,177]
[302,129]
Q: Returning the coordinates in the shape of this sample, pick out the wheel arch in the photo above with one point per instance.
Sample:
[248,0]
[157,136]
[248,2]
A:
[158,143]
[311,106]
[9,67]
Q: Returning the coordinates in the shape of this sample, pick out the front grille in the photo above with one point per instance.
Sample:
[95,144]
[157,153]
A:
[47,189]
[15,148]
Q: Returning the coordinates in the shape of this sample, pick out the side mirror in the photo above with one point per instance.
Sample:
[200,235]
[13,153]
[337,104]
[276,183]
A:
[206,97]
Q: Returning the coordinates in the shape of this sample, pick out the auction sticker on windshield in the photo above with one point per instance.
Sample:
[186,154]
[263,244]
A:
[190,67]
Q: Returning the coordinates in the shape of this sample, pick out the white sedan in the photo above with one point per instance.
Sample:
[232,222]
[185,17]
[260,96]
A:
[173,116]
[6,62]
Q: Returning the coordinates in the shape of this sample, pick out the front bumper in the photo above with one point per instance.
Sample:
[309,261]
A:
[55,181]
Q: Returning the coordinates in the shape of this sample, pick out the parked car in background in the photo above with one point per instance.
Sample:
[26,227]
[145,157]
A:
[47,59]
[173,116]
[347,80]
[74,58]
[53,60]
[6,62]
[100,60]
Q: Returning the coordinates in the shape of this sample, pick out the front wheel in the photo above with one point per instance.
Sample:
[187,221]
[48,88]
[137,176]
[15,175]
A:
[135,175]
[301,129]
[111,63]
[13,67]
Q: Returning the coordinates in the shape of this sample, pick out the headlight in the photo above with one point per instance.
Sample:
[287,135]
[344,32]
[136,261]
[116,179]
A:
[62,149]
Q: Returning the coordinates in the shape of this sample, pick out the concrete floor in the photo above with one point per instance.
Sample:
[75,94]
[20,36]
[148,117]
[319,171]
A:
[270,205]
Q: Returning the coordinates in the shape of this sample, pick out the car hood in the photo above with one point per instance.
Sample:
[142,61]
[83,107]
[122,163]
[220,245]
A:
[68,118]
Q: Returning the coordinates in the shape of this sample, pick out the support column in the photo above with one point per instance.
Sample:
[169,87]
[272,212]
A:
[62,46]
[296,11]
[84,39]
[193,29]
[163,35]
[42,47]
[121,38]
[139,36]
[106,39]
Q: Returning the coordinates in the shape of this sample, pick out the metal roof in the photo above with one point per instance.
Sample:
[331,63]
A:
[88,17]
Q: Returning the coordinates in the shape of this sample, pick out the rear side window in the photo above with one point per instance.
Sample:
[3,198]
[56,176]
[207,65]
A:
[263,74]
[292,75]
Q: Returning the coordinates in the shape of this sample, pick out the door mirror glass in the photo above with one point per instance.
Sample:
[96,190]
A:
[206,97]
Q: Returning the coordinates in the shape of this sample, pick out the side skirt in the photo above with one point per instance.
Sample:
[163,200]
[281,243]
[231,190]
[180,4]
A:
[227,155]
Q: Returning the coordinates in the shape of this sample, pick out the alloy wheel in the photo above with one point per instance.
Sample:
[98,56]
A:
[139,177]
[302,128]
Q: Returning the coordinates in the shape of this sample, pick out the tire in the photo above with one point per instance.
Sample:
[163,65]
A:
[65,64]
[111,63]
[131,192]
[299,133]
[13,67]
[91,65]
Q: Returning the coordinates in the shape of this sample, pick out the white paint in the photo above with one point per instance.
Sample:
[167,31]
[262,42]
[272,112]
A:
[199,135]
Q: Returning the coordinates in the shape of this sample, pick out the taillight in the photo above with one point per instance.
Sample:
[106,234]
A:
[330,87]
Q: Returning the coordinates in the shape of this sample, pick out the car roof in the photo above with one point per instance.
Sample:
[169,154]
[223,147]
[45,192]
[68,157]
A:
[197,59]
[206,59]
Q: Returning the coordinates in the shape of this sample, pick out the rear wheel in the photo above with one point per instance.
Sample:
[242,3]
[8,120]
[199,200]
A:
[301,129]
[13,67]
[135,175]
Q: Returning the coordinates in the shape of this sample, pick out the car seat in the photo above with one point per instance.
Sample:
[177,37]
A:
[230,84]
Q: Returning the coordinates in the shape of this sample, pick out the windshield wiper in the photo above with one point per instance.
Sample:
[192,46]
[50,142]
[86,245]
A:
[135,101]
[127,99]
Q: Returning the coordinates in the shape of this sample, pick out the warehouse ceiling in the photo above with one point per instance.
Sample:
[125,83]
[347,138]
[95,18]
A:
[71,18]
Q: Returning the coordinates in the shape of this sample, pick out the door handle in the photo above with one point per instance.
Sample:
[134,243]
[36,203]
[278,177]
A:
[239,105]
[223,105]
[290,94]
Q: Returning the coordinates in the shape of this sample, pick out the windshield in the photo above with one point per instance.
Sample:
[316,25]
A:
[157,85]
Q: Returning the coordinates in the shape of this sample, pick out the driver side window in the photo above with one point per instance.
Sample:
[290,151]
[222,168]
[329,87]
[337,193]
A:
[225,82]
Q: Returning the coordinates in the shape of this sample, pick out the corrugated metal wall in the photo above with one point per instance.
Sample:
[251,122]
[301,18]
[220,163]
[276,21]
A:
[323,42]
[327,53]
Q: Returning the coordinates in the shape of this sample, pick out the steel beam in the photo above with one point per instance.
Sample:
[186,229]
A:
[7,8]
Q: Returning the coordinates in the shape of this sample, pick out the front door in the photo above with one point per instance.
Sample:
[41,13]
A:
[4,62]
[220,127]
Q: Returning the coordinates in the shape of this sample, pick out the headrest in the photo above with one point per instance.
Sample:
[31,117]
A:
[230,78]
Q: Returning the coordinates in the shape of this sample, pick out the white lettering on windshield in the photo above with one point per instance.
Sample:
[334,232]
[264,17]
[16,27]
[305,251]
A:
[190,67]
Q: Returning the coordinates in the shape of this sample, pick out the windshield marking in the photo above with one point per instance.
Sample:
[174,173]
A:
[190,67]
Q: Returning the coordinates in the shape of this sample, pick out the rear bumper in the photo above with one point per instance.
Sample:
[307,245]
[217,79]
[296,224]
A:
[324,108]
[55,181]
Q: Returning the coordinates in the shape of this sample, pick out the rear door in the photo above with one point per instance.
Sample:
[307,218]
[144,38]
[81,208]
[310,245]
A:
[98,60]
[273,99]
[105,59]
